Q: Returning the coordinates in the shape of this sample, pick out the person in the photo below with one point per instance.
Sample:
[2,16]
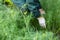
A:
[33,6]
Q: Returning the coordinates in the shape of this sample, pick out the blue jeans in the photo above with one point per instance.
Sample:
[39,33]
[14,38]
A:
[32,6]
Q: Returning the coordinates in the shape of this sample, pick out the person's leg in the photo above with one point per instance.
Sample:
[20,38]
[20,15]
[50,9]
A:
[41,18]
[18,3]
[37,14]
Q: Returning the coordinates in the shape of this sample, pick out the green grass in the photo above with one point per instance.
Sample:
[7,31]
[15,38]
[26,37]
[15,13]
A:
[52,9]
[16,26]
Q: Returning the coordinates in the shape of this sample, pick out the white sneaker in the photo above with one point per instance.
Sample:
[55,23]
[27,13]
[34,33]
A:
[42,22]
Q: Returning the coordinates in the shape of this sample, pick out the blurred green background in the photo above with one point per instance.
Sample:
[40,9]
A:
[16,26]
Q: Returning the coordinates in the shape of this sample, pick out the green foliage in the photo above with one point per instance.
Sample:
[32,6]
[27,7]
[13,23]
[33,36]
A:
[14,25]
[52,8]
[7,2]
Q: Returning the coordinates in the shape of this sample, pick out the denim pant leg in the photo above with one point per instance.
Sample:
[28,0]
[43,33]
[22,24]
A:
[34,10]
[19,3]
[36,13]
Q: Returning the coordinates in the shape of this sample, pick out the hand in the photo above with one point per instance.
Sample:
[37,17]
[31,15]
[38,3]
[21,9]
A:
[42,11]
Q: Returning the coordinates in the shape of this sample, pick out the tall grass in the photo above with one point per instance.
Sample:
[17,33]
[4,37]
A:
[14,25]
[52,9]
